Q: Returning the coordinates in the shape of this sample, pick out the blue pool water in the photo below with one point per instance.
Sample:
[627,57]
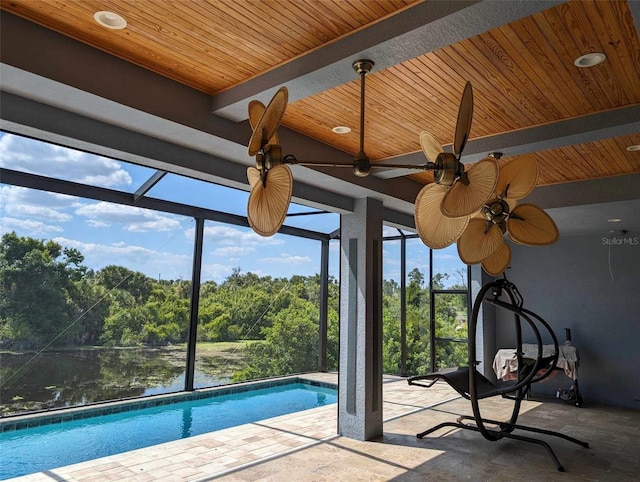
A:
[41,448]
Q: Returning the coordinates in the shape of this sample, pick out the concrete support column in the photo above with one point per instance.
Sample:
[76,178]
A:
[360,389]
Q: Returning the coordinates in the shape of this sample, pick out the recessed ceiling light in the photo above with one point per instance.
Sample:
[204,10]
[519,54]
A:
[634,148]
[589,60]
[614,220]
[110,20]
[341,129]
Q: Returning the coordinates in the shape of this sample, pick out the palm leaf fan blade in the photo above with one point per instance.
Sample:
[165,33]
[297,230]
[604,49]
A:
[253,176]
[269,122]
[530,225]
[479,241]
[463,124]
[468,195]
[269,202]
[517,178]
[498,261]
[430,146]
[256,110]
[434,229]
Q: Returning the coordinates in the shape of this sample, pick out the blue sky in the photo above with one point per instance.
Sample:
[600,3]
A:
[160,244]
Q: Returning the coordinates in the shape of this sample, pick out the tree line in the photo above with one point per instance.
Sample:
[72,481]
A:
[49,298]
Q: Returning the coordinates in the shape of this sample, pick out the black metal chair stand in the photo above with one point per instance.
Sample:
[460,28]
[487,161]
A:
[473,386]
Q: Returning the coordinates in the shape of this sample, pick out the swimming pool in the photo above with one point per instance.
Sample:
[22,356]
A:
[63,442]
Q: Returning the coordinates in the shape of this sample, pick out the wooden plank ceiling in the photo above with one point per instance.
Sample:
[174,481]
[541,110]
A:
[522,73]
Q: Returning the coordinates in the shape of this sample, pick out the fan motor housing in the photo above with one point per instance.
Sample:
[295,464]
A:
[361,165]
[270,158]
[448,168]
[496,210]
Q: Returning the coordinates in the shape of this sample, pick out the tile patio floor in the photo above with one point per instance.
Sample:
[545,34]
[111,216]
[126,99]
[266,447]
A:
[304,446]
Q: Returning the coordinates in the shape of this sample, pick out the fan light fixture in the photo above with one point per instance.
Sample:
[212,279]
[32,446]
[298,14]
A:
[634,148]
[110,20]
[474,207]
[589,60]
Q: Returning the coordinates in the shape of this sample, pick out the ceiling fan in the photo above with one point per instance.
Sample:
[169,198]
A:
[271,180]
[474,207]
[481,204]
[482,240]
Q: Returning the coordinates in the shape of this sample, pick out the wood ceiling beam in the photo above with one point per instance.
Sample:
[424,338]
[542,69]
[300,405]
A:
[415,31]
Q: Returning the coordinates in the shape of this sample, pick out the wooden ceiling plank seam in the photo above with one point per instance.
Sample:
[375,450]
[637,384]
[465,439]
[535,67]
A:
[226,40]
[605,164]
[183,41]
[580,164]
[564,166]
[444,97]
[377,125]
[608,23]
[560,20]
[338,28]
[630,33]
[551,24]
[494,102]
[498,108]
[289,28]
[42,16]
[419,96]
[371,9]
[597,37]
[386,122]
[621,163]
[407,109]
[514,83]
[153,58]
[529,98]
[611,149]
[444,101]
[119,45]
[589,13]
[271,45]
[543,66]
[574,21]
[325,30]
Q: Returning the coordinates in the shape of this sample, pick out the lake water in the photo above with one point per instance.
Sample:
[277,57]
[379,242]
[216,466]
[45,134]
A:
[77,377]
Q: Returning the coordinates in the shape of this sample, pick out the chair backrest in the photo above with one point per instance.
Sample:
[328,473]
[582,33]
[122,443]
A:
[527,373]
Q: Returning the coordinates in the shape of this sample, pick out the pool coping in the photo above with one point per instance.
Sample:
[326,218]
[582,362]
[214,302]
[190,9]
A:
[97,409]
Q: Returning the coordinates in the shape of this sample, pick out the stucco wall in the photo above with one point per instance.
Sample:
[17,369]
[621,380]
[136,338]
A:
[570,285]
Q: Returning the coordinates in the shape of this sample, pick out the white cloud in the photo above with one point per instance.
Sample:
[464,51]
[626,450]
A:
[133,219]
[38,212]
[28,155]
[13,196]
[444,256]
[216,272]
[287,259]
[28,227]
[137,258]
[225,235]
[233,252]
[33,212]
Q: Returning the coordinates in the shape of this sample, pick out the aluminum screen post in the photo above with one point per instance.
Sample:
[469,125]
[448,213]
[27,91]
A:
[193,309]
[324,306]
